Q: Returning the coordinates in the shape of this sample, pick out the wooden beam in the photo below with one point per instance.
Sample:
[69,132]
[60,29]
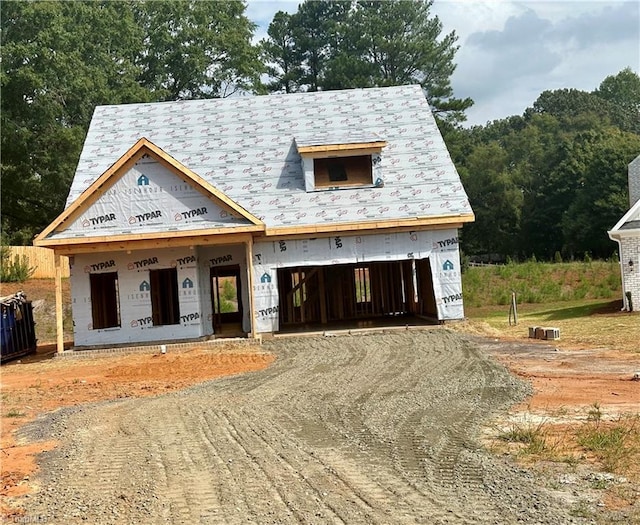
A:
[211,235]
[436,222]
[249,252]
[59,308]
[340,148]
[153,244]
[341,154]
[323,297]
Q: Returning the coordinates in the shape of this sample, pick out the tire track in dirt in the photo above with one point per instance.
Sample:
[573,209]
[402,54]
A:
[369,429]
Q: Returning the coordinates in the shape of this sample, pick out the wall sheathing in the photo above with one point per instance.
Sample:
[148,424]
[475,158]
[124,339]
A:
[440,246]
[194,288]
[150,198]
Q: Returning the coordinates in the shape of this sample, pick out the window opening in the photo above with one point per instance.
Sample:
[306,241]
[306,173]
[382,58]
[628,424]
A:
[105,303]
[337,172]
[165,309]
[343,171]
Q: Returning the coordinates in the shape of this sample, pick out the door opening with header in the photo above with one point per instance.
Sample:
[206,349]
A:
[226,299]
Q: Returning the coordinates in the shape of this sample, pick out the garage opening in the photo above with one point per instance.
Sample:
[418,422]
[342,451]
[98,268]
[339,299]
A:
[328,294]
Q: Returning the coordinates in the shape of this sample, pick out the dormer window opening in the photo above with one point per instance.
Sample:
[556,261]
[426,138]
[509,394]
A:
[331,166]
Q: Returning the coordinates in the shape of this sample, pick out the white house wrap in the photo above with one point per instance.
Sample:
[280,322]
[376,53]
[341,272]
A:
[259,214]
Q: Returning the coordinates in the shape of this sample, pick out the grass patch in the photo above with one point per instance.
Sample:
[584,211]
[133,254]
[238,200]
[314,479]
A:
[14,412]
[532,437]
[615,444]
[536,282]
[591,323]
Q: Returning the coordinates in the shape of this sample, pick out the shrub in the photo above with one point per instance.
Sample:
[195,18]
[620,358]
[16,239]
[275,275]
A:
[228,290]
[16,270]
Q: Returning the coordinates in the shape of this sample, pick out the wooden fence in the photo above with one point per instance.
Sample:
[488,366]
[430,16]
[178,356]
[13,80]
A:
[42,259]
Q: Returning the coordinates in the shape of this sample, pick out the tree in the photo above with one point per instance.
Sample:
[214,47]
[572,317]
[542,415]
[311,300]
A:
[567,156]
[196,49]
[496,200]
[402,44]
[601,197]
[622,91]
[339,45]
[318,28]
[59,59]
[280,54]
[567,103]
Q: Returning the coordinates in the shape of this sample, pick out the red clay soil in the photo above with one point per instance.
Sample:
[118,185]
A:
[39,384]
[577,379]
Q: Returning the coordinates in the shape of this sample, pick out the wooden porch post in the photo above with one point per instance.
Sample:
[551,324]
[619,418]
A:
[249,250]
[59,312]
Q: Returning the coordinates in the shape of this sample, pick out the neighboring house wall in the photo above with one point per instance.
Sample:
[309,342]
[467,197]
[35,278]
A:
[634,181]
[630,251]
[627,233]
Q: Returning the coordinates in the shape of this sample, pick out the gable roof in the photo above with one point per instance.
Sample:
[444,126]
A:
[629,224]
[246,147]
[57,232]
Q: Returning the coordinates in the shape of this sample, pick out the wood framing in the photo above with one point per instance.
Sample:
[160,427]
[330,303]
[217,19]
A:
[342,148]
[317,295]
[448,221]
[249,255]
[150,244]
[59,308]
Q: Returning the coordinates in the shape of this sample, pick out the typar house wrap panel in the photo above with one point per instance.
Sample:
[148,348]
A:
[151,198]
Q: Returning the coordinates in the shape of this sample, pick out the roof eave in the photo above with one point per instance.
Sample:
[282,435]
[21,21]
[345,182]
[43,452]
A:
[414,222]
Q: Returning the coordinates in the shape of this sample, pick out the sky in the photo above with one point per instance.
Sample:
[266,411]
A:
[511,51]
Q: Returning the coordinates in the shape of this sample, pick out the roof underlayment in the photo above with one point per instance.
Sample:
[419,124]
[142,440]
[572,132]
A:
[246,147]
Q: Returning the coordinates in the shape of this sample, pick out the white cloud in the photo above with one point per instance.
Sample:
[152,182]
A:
[261,13]
[511,51]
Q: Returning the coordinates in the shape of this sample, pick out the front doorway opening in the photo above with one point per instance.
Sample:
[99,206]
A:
[226,300]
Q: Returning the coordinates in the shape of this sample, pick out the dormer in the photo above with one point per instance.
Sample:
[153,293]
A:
[341,162]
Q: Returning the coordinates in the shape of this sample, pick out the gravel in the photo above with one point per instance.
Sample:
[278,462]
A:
[377,429]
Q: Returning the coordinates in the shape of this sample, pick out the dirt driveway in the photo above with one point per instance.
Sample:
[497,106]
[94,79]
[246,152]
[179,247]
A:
[350,429]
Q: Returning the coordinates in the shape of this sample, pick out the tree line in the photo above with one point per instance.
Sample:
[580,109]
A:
[551,180]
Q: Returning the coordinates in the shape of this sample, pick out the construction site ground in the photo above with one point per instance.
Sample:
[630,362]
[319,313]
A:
[397,427]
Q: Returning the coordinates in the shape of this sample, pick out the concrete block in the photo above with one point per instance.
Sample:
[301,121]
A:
[551,334]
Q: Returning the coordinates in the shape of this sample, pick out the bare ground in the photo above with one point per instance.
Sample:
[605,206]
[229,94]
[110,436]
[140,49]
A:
[354,429]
